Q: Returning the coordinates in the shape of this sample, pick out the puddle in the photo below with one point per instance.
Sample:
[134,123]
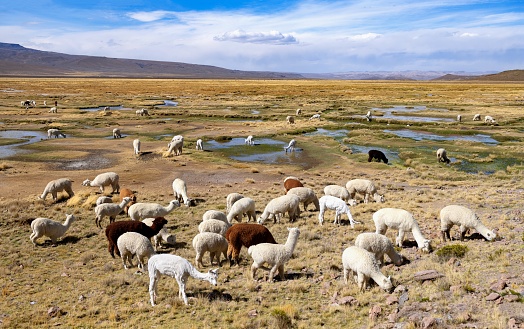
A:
[265,150]
[391,113]
[168,103]
[422,135]
[94,162]
[486,168]
[100,108]
[255,112]
[25,137]
[336,134]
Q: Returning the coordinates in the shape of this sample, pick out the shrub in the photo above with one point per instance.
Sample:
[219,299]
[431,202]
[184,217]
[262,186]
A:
[452,250]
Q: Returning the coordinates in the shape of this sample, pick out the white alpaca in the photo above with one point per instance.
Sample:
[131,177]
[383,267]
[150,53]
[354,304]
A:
[379,245]
[109,209]
[231,199]
[364,187]
[249,140]
[298,112]
[306,196]
[133,243]
[489,119]
[403,221]
[337,204]
[53,110]
[214,243]
[103,199]
[214,226]
[275,255]
[476,117]
[58,185]
[278,206]
[50,228]
[180,269]
[176,145]
[136,146]
[291,146]
[117,133]
[241,207]
[315,116]
[214,214]
[103,180]
[199,145]
[466,219]
[180,191]
[368,116]
[54,133]
[459,118]
[363,266]
[139,211]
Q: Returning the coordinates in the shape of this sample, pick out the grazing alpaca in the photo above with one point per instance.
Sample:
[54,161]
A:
[377,155]
[291,146]
[177,267]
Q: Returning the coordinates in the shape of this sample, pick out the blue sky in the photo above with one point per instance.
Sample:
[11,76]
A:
[311,36]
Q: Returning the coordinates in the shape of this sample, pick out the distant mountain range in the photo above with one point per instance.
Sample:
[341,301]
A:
[18,61]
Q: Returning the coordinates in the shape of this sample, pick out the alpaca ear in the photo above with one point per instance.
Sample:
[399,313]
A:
[215,271]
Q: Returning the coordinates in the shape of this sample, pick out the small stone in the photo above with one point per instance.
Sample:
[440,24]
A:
[511,298]
[53,311]
[252,313]
[392,299]
[499,285]
[374,312]
[427,275]
[428,322]
[493,296]
[348,300]
[455,289]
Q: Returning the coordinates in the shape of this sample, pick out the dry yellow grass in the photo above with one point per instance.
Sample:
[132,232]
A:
[92,289]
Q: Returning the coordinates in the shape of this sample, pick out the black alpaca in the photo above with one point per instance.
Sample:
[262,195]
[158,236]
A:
[377,155]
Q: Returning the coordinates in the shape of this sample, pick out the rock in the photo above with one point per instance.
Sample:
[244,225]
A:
[400,288]
[455,289]
[511,298]
[499,285]
[348,300]
[493,296]
[402,299]
[54,311]
[374,313]
[427,275]
[428,322]
[252,313]
[392,299]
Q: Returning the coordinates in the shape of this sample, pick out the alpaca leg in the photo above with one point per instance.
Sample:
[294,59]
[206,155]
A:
[33,238]
[321,216]
[198,259]
[254,268]
[400,238]
[463,231]
[281,272]
[272,272]
[361,281]
[140,262]
[154,276]
[54,194]
[346,275]
[229,254]
[182,289]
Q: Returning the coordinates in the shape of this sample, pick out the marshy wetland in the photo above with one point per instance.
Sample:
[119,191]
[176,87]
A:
[483,287]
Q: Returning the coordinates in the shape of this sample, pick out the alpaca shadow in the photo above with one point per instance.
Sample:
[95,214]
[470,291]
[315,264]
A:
[90,235]
[475,236]
[296,275]
[70,239]
[213,295]
[180,245]
[409,244]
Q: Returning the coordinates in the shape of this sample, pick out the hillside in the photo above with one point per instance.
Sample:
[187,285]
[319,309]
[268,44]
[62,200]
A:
[19,61]
[511,75]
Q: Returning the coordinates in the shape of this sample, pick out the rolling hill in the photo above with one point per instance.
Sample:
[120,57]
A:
[19,61]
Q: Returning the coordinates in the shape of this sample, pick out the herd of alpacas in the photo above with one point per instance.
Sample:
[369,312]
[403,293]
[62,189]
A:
[220,235]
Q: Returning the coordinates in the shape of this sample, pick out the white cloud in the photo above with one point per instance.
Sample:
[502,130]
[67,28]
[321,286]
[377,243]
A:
[149,16]
[364,37]
[272,37]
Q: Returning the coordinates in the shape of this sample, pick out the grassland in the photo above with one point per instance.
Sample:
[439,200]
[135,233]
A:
[91,289]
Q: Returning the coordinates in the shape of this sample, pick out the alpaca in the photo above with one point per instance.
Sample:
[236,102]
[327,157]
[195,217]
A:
[177,267]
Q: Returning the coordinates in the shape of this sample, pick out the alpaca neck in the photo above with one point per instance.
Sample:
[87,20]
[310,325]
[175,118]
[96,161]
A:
[68,222]
[378,277]
[197,274]
[483,230]
[124,203]
[292,240]
[417,234]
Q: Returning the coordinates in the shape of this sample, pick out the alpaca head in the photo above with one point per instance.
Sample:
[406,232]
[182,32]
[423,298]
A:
[86,182]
